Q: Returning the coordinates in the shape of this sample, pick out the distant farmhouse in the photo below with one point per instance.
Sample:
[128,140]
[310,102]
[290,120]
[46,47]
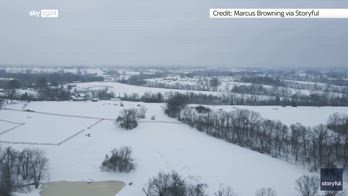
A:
[79,97]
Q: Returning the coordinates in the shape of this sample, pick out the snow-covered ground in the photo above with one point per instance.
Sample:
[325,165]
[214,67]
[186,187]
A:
[160,145]
[306,115]
[42,128]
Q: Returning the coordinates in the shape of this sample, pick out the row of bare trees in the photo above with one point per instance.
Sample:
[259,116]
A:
[297,99]
[172,184]
[19,169]
[257,89]
[313,147]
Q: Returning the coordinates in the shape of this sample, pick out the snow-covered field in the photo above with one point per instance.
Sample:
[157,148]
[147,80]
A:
[160,145]
[121,89]
[306,115]
[42,128]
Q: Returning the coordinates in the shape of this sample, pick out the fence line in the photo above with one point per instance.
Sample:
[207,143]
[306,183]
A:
[12,128]
[29,143]
[51,144]
[11,122]
[78,133]
[58,114]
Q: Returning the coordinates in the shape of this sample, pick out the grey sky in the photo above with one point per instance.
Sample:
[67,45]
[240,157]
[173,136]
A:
[160,32]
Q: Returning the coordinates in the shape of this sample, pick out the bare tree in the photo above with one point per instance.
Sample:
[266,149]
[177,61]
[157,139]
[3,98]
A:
[266,192]
[225,191]
[7,172]
[214,83]
[141,112]
[21,169]
[297,132]
[175,104]
[196,190]
[12,86]
[127,119]
[307,185]
[172,184]
[38,167]
[120,160]
[1,103]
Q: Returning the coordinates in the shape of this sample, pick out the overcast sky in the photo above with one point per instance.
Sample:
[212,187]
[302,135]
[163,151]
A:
[161,32]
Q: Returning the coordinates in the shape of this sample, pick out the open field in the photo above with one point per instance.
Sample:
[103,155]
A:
[160,145]
[39,128]
[120,89]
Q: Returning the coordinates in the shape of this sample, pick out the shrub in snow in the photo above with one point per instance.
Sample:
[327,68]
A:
[172,184]
[120,160]
[153,117]
[266,192]
[141,112]
[127,119]
[307,185]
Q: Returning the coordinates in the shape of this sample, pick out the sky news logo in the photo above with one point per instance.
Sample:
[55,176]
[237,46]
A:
[44,13]
[331,179]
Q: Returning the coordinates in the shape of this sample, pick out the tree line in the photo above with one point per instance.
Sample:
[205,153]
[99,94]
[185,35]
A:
[44,91]
[34,80]
[324,145]
[315,99]
[257,89]
[173,184]
[312,147]
[49,86]
[324,85]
